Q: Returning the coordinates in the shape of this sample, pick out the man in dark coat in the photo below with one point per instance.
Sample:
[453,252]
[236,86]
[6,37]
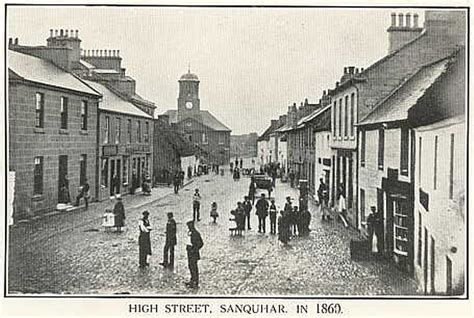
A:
[170,242]
[241,163]
[262,212]
[176,182]
[133,186]
[144,244]
[247,209]
[192,249]
[375,227]
[119,213]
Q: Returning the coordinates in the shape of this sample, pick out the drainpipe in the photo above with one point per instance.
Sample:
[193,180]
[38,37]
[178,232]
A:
[97,153]
[355,198]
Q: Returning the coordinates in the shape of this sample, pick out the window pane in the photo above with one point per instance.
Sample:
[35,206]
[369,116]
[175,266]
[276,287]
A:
[64,105]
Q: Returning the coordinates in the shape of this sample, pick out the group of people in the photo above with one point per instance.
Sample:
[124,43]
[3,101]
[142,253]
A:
[192,248]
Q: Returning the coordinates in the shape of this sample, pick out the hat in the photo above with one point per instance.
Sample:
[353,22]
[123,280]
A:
[190,223]
[170,214]
[288,198]
[118,197]
[146,213]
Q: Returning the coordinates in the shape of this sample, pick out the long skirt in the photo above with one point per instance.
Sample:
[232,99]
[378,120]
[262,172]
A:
[144,243]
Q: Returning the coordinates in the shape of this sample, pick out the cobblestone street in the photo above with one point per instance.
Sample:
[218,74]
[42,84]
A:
[72,254]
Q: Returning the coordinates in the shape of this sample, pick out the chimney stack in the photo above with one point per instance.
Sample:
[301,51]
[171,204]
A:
[408,20]
[61,32]
[50,33]
[404,32]
[394,19]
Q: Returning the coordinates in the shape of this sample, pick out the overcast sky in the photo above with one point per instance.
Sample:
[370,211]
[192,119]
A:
[252,62]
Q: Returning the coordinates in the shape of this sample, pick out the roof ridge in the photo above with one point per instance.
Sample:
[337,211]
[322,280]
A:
[404,82]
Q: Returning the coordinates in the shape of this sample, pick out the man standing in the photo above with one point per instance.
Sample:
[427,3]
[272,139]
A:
[262,212]
[273,217]
[375,229]
[192,249]
[247,209]
[252,190]
[196,205]
[288,206]
[170,242]
[241,163]
[119,213]
[291,175]
[176,182]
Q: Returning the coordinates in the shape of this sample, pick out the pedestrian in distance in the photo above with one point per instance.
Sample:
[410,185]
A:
[84,192]
[247,209]
[291,175]
[273,217]
[214,214]
[252,190]
[262,212]
[170,242]
[288,205]
[133,185]
[144,244]
[236,162]
[196,205]
[241,163]
[375,230]
[196,243]
[293,221]
[176,182]
[306,220]
[119,213]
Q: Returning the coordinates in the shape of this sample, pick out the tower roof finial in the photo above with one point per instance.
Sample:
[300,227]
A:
[189,67]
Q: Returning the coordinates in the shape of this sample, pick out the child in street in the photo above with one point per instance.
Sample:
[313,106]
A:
[214,214]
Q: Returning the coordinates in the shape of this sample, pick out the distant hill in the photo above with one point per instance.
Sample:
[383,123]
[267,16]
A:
[243,145]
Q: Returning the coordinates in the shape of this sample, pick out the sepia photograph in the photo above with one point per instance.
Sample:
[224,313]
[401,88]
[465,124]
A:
[236,151]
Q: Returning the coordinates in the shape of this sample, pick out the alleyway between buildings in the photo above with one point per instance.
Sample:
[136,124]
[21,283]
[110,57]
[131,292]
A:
[72,254]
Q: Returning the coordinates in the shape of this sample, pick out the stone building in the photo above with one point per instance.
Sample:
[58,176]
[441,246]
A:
[125,143]
[359,91]
[200,127]
[52,133]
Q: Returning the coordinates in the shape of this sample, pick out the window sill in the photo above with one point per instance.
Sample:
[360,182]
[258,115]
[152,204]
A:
[37,197]
[84,132]
[63,131]
[39,130]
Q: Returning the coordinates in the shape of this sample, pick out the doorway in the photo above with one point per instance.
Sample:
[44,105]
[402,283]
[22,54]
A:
[63,193]
[112,179]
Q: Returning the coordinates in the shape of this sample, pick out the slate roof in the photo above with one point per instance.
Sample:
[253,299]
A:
[319,118]
[112,102]
[138,98]
[208,120]
[40,71]
[395,106]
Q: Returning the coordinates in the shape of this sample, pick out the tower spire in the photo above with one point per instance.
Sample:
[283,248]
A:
[189,67]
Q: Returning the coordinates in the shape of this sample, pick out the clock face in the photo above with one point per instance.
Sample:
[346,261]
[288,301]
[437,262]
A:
[189,105]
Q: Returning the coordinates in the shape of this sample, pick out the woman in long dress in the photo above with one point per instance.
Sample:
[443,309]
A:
[119,213]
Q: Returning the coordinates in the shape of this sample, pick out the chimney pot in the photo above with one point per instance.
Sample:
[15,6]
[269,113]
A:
[415,20]
[50,33]
[77,33]
[100,53]
[345,70]
[118,52]
[361,69]
[71,33]
[56,32]
[337,84]
[66,32]
[294,104]
[408,20]
[400,20]
[10,41]
[351,69]
[61,32]
[394,19]
[110,52]
[16,41]
[324,92]
[357,70]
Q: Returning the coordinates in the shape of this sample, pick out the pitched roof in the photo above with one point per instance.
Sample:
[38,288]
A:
[395,106]
[40,71]
[317,117]
[208,119]
[138,98]
[112,102]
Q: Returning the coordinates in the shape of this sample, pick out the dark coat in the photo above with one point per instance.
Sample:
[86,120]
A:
[144,239]
[196,245]
[171,232]
[247,207]
[119,212]
[262,207]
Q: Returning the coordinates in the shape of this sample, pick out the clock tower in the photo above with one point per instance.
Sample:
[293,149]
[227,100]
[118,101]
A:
[188,99]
